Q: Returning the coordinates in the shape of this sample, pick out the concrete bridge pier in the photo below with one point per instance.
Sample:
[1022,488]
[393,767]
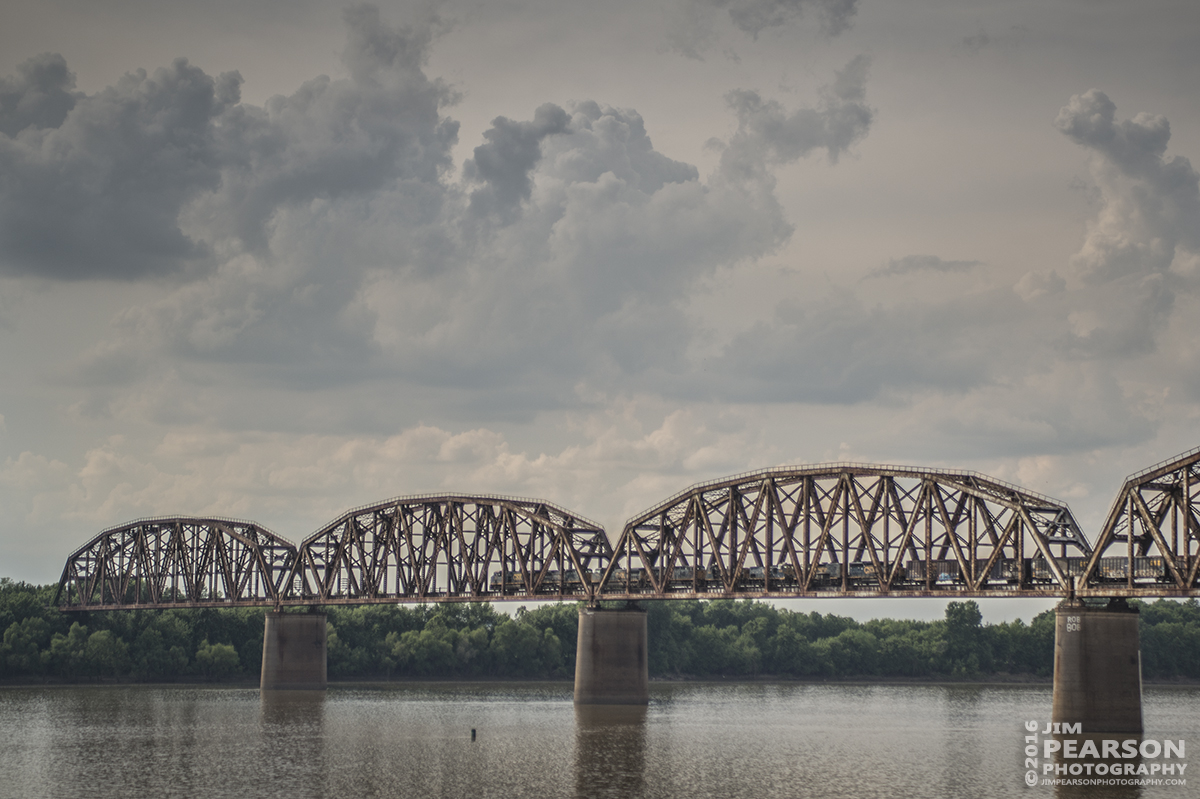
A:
[1098,667]
[294,655]
[611,666]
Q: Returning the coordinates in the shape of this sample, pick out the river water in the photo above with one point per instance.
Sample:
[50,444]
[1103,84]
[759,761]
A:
[695,740]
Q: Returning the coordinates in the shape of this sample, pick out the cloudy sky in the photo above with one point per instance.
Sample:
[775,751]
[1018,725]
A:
[274,259]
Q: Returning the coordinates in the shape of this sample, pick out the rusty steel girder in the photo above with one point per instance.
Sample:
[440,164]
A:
[1150,542]
[179,561]
[841,529]
[452,548]
[847,529]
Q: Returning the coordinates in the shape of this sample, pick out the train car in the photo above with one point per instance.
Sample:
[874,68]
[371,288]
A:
[513,585]
[1073,567]
[755,577]
[1004,571]
[1151,569]
[940,571]
[1112,569]
[686,578]
[627,579]
[829,573]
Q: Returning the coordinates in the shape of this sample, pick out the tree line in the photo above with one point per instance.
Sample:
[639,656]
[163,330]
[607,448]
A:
[687,638]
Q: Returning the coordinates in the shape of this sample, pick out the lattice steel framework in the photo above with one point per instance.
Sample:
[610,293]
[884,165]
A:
[178,562]
[1153,525]
[840,529]
[847,529]
[452,548]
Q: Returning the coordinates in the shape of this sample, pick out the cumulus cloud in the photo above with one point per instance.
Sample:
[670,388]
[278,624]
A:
[768,136]
[293,483]
[1146,233]
[379,129]
[99,193]
[39,96]
[154,175]
[503,165]
[1076,367]
[338,244]
[587,278]
[569,251]
[1151,203]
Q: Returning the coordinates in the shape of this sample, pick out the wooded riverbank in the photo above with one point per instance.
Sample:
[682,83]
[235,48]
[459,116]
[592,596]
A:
[719,639]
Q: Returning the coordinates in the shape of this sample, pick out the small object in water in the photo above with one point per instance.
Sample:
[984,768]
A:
[472,733]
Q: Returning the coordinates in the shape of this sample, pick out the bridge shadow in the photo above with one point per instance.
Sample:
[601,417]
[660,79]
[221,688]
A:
[284,706]
[610,751]
[284,715]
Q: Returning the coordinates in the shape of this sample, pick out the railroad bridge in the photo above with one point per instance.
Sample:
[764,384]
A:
[826,530]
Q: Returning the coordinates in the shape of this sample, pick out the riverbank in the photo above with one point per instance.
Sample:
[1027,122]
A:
[252,682]
[688,640]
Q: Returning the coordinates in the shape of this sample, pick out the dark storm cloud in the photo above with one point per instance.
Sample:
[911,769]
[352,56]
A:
[767,135]
[39,96]
[104,186]
[337,138]
[99,193]
[503,164]
[338,246]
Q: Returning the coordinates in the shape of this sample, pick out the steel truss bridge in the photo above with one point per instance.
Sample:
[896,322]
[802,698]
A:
[829,530]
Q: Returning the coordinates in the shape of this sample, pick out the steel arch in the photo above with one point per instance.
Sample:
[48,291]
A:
[452,547]
[178,561]
[848,529]
[1155,517]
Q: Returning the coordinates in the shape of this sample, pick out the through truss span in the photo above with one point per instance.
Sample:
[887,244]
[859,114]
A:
[1150,542]
[847,529]
[178,561]
[446,547]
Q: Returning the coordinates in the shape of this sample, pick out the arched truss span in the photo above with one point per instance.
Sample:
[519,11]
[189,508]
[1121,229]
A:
[452,547]
[848,529]
[1150,542]
[178,561]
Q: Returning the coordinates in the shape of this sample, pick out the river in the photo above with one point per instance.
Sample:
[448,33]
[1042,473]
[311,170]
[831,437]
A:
[695,740]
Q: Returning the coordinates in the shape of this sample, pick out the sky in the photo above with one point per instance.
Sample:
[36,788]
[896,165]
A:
[274,260]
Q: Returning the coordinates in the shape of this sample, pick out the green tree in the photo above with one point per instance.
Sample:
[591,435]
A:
[154,660]
[965,646]
[216,661]
[854,652]
[106,654]
[68,653]
[516,650]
